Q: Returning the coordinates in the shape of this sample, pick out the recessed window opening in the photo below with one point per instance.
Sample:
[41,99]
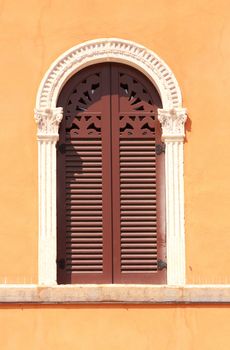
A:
[110,179]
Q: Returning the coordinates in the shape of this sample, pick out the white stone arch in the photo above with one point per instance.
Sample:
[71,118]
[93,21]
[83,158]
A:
[111,50]
[172,117]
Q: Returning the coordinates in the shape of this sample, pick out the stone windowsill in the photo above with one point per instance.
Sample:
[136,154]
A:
[114,294]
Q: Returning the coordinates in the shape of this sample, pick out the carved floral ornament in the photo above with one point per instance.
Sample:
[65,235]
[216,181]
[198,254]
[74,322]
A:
[172,123]
[48,120]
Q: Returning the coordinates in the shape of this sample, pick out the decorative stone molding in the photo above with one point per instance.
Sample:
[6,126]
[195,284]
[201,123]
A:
[172,118]
[172,122]
[109,49]
[48,120]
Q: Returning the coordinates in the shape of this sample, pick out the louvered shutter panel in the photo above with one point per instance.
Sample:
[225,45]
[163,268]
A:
[110,181]
[138,194]
[84,181]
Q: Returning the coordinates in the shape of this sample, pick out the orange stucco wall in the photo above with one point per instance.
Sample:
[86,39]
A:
[192,36]
[115,328]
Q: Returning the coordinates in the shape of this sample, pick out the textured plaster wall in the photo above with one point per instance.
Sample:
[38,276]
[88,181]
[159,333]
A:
[193,38]
[115,328]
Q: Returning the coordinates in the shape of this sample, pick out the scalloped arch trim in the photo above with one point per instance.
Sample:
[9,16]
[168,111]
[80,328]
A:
[110,50]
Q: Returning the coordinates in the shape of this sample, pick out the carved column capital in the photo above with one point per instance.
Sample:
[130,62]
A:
[172,122]
[48,120]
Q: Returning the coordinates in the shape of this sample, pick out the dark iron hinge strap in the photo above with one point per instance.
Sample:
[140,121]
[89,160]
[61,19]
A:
[61,148]
[161,265]
[160,148]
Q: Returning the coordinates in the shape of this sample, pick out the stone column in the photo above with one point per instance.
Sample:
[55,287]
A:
[172,122]
[48,121]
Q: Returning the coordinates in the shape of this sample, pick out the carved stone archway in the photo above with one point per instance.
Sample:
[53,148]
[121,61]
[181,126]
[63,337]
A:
[172,117]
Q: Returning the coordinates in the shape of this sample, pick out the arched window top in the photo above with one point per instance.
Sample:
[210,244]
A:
[171,116]
[112,50]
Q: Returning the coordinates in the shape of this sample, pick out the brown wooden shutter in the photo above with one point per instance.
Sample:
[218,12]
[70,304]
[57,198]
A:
[84,180]
[138,208]
[110,180]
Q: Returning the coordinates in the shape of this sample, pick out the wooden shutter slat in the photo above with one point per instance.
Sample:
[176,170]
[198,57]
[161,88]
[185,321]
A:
[84,269]
[73,237]
[97,195]
[135,168]
[140,240]
[137,224]
[137,212]
[137,245]
[125,143]
[140,207]
[97,212]
[94,218]
[137,192]
[72,144]
[139,218]
[91,247]
[137,181]
[137,235]
[75,187]
[140,186]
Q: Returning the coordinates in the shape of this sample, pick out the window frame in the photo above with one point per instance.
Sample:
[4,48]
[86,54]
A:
[172,118]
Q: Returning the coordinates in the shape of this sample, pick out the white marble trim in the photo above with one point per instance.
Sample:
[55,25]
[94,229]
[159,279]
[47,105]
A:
[110,50]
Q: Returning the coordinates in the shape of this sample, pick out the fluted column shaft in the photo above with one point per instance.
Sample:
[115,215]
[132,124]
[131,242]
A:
[48,122]
[172,122]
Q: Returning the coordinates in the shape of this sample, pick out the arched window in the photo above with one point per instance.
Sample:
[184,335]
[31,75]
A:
[147,89]
[111,212]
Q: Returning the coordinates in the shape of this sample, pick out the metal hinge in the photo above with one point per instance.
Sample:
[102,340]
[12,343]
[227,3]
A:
[161,265]
[160,148]
[61,263]
[61,147]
